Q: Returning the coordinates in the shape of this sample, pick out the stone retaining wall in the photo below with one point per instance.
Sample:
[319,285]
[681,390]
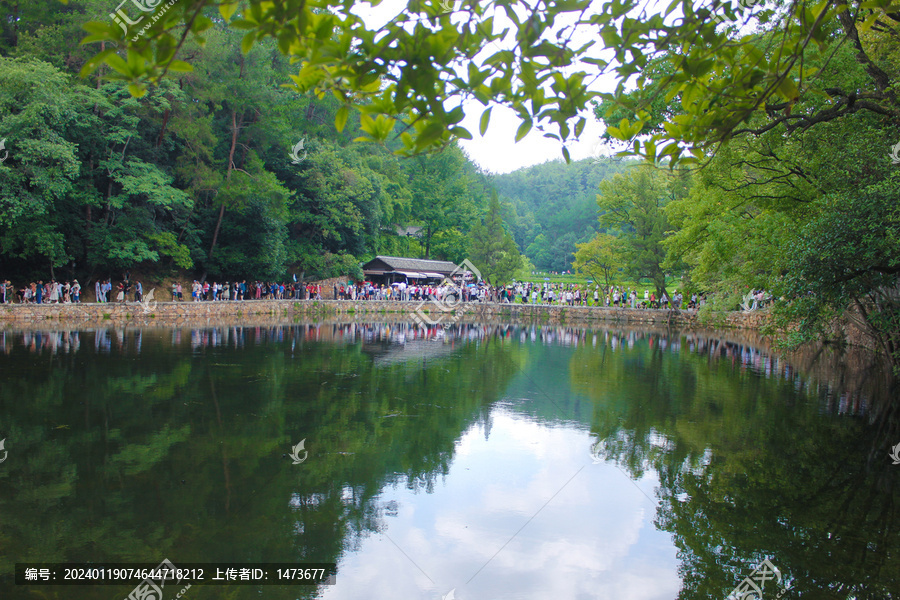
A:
[193,313]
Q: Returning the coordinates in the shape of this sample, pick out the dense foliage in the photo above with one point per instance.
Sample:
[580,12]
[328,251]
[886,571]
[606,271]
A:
[219,171]
[430,62]
[796,186]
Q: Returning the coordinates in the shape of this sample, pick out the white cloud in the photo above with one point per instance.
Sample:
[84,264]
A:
[594,538]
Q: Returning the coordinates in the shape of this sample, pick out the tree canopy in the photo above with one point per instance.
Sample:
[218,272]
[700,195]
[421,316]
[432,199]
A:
[427,66]
[197,174]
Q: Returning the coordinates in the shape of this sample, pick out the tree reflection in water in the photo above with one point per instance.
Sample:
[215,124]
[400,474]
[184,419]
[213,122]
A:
[147,443]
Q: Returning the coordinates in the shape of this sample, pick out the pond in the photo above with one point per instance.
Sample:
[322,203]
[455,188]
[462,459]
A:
[474,461]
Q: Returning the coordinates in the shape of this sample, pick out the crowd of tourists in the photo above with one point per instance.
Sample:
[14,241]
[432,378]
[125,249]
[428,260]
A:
[65,292]
[52,292]
[241,290]
[128,290]
[547,294]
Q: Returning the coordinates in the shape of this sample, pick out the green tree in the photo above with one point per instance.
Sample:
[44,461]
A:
[441,196]
[492,248]
[809,217]
[634,203]
[600,259]
[847,256]
[40,171]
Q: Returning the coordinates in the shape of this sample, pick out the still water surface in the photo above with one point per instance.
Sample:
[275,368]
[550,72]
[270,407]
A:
[493,462]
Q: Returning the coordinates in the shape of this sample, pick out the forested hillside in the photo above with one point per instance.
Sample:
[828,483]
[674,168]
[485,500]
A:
[553,206]
[206,173]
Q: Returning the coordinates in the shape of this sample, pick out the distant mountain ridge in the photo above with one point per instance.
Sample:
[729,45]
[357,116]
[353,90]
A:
[552,206]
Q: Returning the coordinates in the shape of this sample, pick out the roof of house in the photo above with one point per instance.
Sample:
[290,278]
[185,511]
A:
[398,263]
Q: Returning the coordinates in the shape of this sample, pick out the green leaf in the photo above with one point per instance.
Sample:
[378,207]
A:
[461,132]
[579,126]
[367,124]
[243,24]
[95,62]
[485,119]
[137,90]
[201,23]
[98,28]
[118,63]
[788,89]
[504,56]
[227,10]
[523,130]
[340,119]
[248,41]
[179,66]
[430,134]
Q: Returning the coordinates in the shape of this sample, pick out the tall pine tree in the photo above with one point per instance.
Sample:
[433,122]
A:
[492,247]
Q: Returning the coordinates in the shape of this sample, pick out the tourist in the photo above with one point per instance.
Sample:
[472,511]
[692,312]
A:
[76,292]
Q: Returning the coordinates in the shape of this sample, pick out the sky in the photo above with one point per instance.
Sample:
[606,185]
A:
[497,151]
